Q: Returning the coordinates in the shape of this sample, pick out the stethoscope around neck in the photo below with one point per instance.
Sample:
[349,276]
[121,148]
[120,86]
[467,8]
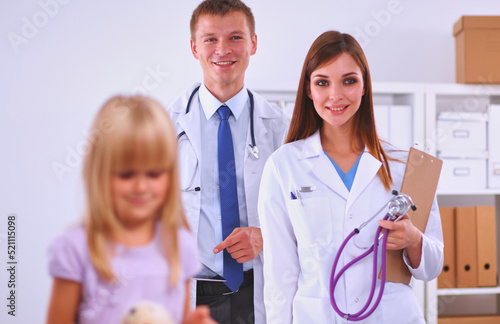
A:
[398,206]
[252,148]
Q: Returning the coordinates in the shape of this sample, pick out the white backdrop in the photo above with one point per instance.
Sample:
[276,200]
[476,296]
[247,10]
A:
[61,59]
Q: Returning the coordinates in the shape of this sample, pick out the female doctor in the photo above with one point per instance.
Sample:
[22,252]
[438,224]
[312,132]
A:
[332,175]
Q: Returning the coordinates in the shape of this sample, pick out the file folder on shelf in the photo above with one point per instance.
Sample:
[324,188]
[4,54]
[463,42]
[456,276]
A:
[478,319]
[381,114]
[448,276]
[400,122]
[466,247]
[486,246]
[394,124]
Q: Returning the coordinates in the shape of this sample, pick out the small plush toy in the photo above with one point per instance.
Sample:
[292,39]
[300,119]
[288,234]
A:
[147,312]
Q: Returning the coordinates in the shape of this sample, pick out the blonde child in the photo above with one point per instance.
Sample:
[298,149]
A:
[134,243]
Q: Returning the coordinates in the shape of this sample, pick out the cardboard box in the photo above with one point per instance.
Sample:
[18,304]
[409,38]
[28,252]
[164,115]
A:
[477,44]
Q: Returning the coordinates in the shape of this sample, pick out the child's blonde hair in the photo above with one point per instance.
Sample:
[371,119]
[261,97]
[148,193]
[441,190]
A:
[130,132]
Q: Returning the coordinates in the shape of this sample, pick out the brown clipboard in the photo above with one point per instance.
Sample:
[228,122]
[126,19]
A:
[420,183]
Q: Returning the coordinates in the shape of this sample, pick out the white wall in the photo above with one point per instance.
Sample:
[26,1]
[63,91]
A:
[54,77]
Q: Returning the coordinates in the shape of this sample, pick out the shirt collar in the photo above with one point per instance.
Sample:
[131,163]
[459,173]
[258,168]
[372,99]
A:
[210,104]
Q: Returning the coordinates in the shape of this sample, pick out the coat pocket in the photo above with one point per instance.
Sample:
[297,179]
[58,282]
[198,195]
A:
[312,221]
[312,310]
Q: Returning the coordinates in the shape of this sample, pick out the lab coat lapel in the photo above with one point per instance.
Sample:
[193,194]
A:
[367,169]
[321,165]
[190,123]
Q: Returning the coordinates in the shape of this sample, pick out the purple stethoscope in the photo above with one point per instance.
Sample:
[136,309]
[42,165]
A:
[398,206]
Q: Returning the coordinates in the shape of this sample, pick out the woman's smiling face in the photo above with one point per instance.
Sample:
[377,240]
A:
[336,89]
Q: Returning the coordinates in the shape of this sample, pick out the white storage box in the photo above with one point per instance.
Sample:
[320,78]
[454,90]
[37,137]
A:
[461,131]
[467,174]
[494,147]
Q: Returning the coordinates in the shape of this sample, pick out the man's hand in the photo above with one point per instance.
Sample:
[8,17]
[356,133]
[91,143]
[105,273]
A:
[244,244]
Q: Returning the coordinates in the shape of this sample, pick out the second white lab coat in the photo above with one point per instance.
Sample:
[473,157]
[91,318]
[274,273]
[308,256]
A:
[270,128]
[302,236]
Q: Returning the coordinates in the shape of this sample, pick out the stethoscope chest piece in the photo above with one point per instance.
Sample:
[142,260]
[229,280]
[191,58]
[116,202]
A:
[254,150]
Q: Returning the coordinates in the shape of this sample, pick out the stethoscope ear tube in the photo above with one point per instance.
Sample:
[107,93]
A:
[252,148]
[398,206]
[334,278]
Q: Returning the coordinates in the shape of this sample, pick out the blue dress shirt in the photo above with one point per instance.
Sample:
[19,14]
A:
[210,227]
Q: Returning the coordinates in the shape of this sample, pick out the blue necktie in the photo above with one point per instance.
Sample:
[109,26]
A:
[233,271]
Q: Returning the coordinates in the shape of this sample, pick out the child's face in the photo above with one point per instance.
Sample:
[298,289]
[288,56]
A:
[138,194]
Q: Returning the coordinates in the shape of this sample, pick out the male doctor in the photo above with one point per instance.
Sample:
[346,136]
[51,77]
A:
[223,39]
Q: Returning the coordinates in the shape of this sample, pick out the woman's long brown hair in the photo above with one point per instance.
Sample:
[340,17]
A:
[306,121]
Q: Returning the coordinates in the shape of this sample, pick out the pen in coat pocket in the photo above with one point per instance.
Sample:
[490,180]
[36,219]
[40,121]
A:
[296,195]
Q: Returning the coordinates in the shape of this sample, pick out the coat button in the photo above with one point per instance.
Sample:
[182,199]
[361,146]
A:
[356,300]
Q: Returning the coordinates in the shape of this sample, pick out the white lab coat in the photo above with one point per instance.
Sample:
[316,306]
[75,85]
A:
[302,236]
[270,127]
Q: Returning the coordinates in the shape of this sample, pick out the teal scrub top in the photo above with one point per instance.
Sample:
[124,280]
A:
[347,178]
